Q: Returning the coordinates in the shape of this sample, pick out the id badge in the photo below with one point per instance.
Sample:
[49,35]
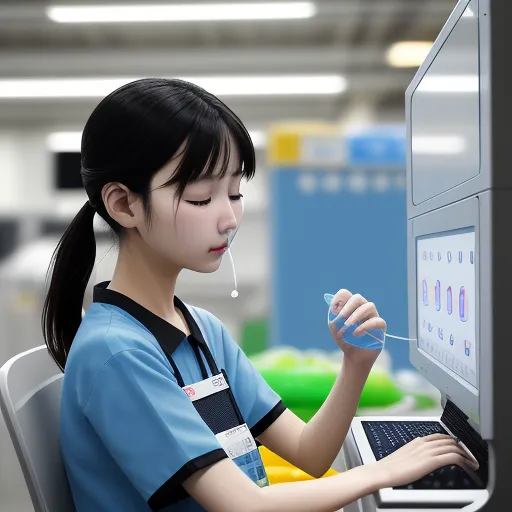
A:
[215,403]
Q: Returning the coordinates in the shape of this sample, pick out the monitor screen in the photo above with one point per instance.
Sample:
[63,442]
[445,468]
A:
[446,279]
[445,114]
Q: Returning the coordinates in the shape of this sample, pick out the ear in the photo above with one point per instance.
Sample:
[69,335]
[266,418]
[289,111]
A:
[122,204]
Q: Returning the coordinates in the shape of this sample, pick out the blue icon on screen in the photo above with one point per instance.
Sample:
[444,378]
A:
[452,341]
[471,257]
[449,256]
[460,256]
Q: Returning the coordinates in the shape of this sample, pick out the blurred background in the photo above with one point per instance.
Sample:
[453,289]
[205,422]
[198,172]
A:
[319,85]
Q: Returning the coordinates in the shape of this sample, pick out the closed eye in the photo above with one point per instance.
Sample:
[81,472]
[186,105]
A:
[201,203]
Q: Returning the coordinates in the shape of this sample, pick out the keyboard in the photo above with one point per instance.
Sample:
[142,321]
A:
[385,437]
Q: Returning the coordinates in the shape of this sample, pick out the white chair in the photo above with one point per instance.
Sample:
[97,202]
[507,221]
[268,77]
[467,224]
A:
[30,394]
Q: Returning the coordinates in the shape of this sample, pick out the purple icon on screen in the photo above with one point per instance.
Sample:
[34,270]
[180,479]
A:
[449,300]
[463,305]
[425,292]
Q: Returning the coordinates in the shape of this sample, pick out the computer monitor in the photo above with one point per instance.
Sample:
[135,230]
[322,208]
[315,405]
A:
[449,200]
[446,312]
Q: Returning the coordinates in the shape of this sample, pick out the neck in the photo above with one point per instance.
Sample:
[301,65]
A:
[146,279]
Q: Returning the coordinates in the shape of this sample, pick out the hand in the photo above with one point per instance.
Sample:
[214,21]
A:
[355,309]
[420,457]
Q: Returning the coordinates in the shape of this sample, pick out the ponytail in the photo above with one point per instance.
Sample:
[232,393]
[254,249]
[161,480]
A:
[72,263]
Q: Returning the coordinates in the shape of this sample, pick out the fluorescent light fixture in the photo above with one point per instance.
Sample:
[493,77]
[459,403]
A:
[218,85]
[449,84]
[407,54]
[438,144]
[70,142]
[183,12]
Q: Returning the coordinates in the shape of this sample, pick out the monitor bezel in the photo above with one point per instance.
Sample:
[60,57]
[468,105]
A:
[483,180]
[456,217]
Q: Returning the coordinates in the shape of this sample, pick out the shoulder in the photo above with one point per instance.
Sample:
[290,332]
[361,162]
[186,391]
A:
[106,334]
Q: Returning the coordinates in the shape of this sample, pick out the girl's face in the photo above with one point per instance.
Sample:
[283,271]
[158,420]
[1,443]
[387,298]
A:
[191,235]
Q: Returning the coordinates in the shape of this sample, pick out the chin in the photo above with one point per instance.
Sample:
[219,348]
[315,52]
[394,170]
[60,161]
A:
[206,267]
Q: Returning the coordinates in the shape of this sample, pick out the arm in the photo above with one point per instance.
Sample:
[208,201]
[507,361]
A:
[222,487]
[313,447]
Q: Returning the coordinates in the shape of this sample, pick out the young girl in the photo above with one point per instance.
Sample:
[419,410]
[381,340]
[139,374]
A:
[161,409]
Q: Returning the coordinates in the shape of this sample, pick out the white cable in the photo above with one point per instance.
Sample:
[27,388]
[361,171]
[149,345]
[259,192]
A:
[234,293]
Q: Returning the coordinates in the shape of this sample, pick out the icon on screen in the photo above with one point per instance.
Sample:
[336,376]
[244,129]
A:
[431,256]
[425,292]
[452,340]
[449,305]
[440,332]
[438,256]
[471,257]
[449,256]
[467,346]
[424,255]
[463,305]
[430,327]
[438,295]
[460,256]
[424,324]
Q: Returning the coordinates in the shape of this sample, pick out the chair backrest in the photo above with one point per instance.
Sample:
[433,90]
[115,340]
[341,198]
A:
[30,396]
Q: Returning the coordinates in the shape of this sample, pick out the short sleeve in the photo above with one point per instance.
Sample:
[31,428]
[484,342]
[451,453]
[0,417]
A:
[149,426]
[259,404]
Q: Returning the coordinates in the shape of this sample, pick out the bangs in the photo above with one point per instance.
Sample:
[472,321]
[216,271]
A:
[207,151]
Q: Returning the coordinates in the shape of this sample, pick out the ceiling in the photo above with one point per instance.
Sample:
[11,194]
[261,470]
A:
[348,37]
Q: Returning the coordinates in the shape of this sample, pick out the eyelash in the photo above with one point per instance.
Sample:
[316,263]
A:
[207,201]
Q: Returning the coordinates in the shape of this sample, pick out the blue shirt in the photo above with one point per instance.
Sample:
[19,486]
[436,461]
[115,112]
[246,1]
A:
[130,435]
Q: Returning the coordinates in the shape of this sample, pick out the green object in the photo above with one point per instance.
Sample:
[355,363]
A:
[254,336]
[305,381]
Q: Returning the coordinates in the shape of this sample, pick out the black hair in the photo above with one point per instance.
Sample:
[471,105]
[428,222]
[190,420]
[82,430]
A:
[131,135]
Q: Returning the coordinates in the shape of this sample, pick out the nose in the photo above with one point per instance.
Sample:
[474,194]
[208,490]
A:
[228,221]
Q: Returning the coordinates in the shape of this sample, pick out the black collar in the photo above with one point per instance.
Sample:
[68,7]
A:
[166,334]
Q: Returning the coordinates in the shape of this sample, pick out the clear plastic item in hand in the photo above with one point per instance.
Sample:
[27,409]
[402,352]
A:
[374,339]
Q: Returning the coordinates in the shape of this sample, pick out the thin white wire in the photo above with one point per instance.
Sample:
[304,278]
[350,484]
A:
[234,293]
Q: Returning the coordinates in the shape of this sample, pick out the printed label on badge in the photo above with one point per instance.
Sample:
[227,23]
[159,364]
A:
[206,387]
[237,441]
[240,446]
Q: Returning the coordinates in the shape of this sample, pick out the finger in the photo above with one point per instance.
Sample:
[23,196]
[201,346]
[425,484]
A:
[352,304]
[433,437]
[455,451]
[369,325]
[339,300]
[362,313]
[456,459]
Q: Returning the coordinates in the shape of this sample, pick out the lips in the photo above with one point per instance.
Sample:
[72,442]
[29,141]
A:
[219,248]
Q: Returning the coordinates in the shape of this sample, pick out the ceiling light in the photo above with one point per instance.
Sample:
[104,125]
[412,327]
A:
[184,12]
[407,54]
[70,142]
[438,144]
[218,85]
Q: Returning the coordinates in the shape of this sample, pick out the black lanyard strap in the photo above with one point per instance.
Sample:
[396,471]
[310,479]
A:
[195,347]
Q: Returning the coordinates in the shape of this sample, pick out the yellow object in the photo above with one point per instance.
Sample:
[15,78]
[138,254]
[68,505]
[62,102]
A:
[285,141]
[280,471]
